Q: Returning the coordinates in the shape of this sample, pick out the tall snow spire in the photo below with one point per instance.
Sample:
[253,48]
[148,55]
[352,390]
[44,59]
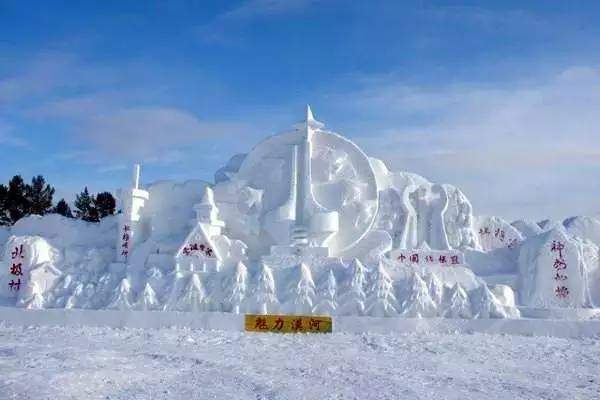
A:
[310,122]
[309,114]
[136,176]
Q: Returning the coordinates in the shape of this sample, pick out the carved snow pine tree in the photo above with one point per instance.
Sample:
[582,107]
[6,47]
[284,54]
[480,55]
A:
[238,288]
[435,287]
[35,300]
[193,296]
[74,298]
[485,304]
[382,301]
[303,293]
[457,304]
[353,300]
[419,303]
[177,287]
[147,299]
[327,304]
[264,299]
[122,299]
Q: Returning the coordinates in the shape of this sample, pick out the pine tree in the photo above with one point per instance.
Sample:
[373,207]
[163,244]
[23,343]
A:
[147,299]
[62,208]
[327,304]
[105,204]
[238,288]
[419,303]
[193,296]
[352,302]
[457,304]
[382,301]
[435,287]
[85,209]
[39,196]
[304,293]
[16,201]
[265,300]
[122,298]
[4,214]
[485,304]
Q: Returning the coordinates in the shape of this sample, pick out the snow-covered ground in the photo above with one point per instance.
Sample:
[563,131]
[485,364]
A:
[104,363]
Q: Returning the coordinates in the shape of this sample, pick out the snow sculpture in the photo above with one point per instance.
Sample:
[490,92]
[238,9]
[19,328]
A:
[456,303]
[584,228]
[130,227]
[552,272]
[458,219]
[123,298]
[526,228]
[319,195]
[28,272]
[495,233]
[292,212]
[193,296]
[419,303]
[327,304]
[485,305]
[205,248]
[353,300]
[303,293]
[382,301]
[264,300]
[147,300]
[239,287]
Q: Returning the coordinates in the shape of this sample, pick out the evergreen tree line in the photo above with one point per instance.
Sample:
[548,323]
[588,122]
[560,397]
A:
[19,199]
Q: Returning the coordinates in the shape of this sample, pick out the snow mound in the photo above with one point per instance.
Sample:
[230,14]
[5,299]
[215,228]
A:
[584,228]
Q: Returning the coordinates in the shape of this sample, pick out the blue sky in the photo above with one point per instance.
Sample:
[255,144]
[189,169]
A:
[498,98]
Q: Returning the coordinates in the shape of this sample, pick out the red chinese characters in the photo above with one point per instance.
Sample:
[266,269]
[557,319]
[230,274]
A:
[433,258]
[125,237]
[16,269]
[195,248]
[561,290]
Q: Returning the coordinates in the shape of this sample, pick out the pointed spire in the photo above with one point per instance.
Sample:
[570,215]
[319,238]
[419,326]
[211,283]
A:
[309,121]
[208,197]
[136,176]
[309,114]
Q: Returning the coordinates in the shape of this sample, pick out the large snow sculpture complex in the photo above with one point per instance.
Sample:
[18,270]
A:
[304,223]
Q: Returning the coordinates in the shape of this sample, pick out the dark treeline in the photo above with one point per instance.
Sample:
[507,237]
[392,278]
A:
[19,199]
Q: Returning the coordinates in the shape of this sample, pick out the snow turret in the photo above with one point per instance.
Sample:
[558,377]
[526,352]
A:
[208,213]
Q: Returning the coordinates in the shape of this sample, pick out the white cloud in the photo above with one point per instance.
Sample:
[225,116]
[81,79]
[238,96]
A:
[220,29]
[518,149]
[7,136]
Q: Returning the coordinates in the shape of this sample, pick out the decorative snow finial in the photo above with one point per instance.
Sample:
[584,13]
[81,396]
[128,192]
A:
[309,114]
[208,198]
[310,120]
[136,176]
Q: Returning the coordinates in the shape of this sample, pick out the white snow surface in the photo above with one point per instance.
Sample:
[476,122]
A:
[177,363]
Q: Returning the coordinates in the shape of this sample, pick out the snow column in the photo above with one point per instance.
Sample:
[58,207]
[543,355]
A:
[133,202]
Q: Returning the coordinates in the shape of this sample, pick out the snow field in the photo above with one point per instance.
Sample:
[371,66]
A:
[105,363]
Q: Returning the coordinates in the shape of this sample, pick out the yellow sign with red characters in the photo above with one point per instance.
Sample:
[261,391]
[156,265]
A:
[288,323]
